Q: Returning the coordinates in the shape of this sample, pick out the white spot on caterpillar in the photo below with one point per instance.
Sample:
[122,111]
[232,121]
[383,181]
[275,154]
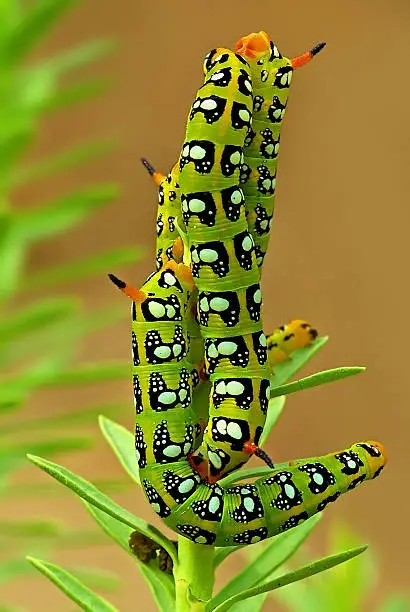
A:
[235,388]
[196,205]
[162,352]
[170,311]
[172,451]
[257,296]
[214,504]
[186,486]
[235,158]
[212,352]
[156,309]
[167,397]
[249,504]
[234,431]
[182,394]
[221,426]
[220,388]
[215,460]
[318,478]
[209,255]
[227,348]
[169,279]
[156,508]
[200,540]
[244,114]
[177,349]
[289,490]
[219,304]
[247,243]
[197,152]
[204,305]
[208,104]
[255,539]
[236,197]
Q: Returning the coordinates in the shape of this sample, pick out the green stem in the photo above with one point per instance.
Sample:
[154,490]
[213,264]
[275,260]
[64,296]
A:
[194,576]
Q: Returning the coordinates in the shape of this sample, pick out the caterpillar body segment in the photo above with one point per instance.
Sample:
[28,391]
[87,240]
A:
[248,513]
[224,265]
[271,76]
[169,246]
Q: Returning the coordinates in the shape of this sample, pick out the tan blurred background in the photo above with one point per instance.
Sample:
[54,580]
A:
[340,249]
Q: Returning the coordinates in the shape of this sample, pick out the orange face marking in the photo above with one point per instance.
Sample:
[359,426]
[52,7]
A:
[253,45]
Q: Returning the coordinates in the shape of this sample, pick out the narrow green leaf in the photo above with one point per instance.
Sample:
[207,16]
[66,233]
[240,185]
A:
[87,373]
[251,605]
[60,215]
[31,528]
[320,378]
[6,608]
[10,569]
[37,315]
[222,553]
[270,557]
[80,269]
[90,493]
[28,490]
[300,574]
[72,587]
[396,603]
[58,162]
[122,443]
[75,94]
[285,370]
[275,408]
[36,20]
[78,56]
[160,584]
[97,578]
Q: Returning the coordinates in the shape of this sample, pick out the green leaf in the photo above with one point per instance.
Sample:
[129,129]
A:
[320,378]
[285,370]
[275,407]
[36,528]
[300,574]
[396,603]
[122,443]
[13,454]
[75,93]
[160,584]
[87,373]
[72,587]
[90,493]
[38,315]
[97,578]
[77,57]
[58,216]
[251,605]
[80,269]
[36,20]
[222,553]
[10,569]
[58,162]
[270,557]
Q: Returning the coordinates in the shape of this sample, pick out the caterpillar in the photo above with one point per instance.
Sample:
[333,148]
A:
[271,77]
[165,433]
[223,258]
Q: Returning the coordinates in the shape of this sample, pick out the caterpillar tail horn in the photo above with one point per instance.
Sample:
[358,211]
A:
[253,449]
[157,177]
[303,59]
[132,292]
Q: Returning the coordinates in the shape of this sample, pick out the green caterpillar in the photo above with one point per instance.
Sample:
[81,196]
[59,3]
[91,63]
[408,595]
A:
[165,434]
[223,258]
[271,77]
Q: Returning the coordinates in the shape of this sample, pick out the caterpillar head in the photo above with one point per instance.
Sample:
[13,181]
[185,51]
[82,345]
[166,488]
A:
[254,45]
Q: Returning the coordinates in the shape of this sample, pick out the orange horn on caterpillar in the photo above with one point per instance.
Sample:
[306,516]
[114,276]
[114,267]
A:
[132,292]
[303,59]
[253,45]
[157,177]
[253,449]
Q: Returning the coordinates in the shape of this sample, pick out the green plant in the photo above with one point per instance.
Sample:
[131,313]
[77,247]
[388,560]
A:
[194,565]
[39,332]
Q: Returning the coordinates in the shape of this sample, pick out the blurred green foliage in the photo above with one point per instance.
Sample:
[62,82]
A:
[39,334]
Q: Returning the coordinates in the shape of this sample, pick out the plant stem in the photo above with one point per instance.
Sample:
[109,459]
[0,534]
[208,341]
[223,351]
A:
[194,576]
